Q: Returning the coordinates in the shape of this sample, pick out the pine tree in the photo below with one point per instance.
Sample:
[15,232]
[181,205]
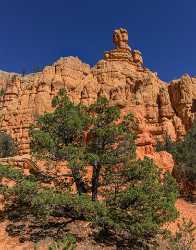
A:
[60,136]
[134,200]
[84,136]
[184,153]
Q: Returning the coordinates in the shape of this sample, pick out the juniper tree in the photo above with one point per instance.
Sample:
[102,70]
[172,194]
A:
[141,203]
[135,201]
[84,136]
[132,214]
[110,141]
[60,135]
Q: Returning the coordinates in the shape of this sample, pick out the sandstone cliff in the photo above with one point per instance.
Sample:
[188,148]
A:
[160,108]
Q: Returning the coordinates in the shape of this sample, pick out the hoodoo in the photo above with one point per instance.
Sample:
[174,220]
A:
[160,108]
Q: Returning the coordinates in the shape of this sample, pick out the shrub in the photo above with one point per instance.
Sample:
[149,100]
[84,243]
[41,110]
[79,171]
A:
[2,92]
[7,145]
[166,145]
[185,160]
[133,212]
[184,238]
[125,197]
[68,243]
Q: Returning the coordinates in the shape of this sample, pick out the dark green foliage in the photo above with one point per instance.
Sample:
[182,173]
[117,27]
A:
[141,202]
[184,153]
[2,92]
[60,135]
[7,145]
[109,142]
[84,136]
[125,197]
[134,212]
[68,243]
[29,201]
[167,145]
[11,173]
[61,132]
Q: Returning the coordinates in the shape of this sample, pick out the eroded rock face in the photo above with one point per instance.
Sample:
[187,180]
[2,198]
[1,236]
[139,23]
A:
[182,94]
[160,108]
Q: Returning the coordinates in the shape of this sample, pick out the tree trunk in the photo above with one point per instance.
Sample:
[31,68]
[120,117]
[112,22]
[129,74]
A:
[95,180]
[80,185]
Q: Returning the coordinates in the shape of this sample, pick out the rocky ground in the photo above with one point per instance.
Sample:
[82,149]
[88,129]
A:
[81,229]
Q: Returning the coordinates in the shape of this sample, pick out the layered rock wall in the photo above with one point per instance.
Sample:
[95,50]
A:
[160,108]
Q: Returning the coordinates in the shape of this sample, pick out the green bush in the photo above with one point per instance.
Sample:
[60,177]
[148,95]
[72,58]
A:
[184,153]
[68,243]
[7,145]
[133,212]
[166,145]
[2,92]
[124,197]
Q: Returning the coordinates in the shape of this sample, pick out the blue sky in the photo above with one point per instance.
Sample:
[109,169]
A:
[37,32]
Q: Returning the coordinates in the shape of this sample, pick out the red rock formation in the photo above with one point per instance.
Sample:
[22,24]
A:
[160,108]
